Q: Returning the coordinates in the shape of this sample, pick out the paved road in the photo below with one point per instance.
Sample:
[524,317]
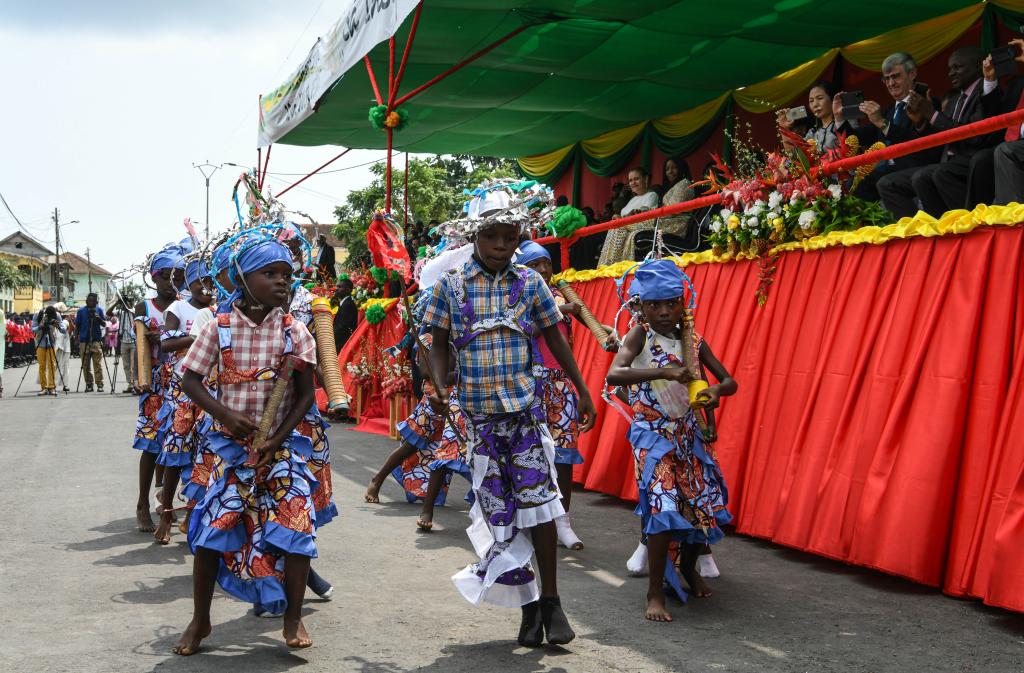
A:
[83,591]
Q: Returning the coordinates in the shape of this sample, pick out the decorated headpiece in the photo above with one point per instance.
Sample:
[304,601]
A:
[531,252]
[245,252]
[169,257]
[659,279]
[501,201]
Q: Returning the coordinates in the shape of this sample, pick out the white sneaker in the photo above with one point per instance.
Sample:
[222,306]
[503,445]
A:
[566,537]
[636,566]
[706,566]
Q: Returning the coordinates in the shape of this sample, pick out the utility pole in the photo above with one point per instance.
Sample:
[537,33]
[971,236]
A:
[88,258]
[56,237]
[202,169]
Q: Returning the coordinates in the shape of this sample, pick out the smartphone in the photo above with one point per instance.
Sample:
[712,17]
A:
[1004,60]
[851,105]
[795,113]
[921,89]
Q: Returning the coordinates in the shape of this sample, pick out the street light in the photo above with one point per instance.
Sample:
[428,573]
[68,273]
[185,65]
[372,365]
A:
[202,169]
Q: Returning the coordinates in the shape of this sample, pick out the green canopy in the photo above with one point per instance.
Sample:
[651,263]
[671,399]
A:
[587,67]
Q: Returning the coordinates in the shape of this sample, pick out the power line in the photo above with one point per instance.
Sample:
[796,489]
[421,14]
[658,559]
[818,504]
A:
[21,226]
[336,170]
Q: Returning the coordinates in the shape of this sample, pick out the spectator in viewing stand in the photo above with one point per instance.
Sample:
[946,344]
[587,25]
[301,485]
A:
[942,186]
[325,262]
[997,173]
[676,232]
[347,317]
[820,106]
[619,243]
[891,125]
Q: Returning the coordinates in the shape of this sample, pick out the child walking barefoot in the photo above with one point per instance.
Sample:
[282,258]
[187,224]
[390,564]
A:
[491,311]
[254,530]
[179,413]
[148,435]
[682,493]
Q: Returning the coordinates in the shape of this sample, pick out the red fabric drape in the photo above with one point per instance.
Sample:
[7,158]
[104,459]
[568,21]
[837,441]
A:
[880,407]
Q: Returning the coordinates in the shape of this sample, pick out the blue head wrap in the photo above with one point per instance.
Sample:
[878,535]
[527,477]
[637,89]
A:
[170,257]
[659,279]
[195,270]
[531,252]
[249,258]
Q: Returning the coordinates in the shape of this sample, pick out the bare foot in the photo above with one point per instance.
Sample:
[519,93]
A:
[373,491]
[163,531]
[189,642]
[656,610]
[183,526]
[426,521]
[698,587]
[144,520]
[295,635]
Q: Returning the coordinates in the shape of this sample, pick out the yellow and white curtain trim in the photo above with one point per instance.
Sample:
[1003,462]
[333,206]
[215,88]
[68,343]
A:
[922,224]
[924,40]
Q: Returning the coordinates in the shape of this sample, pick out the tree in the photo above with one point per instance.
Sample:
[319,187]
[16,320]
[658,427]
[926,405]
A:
[13,278]
[435,193]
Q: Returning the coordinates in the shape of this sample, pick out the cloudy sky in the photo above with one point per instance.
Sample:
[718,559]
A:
[109,103]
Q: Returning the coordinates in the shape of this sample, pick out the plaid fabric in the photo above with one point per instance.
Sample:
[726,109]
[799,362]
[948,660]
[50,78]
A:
[253,346]
[494,368]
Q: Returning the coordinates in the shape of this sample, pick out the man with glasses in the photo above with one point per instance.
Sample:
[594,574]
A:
[942,185]
[891,125]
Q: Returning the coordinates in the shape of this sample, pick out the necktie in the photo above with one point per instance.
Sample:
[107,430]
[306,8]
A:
[897,115]
[959,107]
[1013,132]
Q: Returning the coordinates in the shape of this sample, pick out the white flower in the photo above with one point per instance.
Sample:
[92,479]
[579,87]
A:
[725,214]
[807,218]
[774,200]
[795,199]
[836,191]
[716,224]
[750,222]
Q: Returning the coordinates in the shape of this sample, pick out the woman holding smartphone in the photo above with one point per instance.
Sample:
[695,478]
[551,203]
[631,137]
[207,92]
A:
[823,127]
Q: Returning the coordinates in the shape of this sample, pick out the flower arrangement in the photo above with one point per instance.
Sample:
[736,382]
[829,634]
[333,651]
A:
[396,378]
[786,200]
[362,372]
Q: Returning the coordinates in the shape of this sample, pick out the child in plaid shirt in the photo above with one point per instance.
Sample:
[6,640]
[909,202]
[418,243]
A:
[490,310]
[254,530]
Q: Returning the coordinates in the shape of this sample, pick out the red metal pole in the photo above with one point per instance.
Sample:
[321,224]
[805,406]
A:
[373,80]
[266,162]
[461,64]
[405,206]
[387,175]
[301,180]
[391,67]
[405,56]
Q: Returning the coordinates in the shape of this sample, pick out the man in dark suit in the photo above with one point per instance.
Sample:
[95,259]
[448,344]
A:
[347,317]
[325,264]
[890,125]
[997,173]
[942,186]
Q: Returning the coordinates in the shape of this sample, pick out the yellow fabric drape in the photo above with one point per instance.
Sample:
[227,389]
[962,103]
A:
[689,121]
[770,94]
[1012,5]
[542,164]
[609,143]
[922,224]
[924,40]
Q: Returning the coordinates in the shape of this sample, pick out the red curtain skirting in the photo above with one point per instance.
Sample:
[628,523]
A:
[880,414]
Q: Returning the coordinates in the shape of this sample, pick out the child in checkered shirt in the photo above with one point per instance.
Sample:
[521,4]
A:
[490,310]
[254,530]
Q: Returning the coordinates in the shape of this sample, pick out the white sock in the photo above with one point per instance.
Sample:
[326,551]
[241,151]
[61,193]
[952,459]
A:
[637,563]
[566,536]
[706,566]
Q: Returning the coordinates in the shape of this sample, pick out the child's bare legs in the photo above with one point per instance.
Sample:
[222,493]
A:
[147,461]
[657,548]
[397,457]
[426,520]
[296,572]
[159,476]
[204,574]
[566,536]
[163,531]
[688,569]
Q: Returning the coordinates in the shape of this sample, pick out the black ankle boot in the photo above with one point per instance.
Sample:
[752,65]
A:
[531,630]
[556,624]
